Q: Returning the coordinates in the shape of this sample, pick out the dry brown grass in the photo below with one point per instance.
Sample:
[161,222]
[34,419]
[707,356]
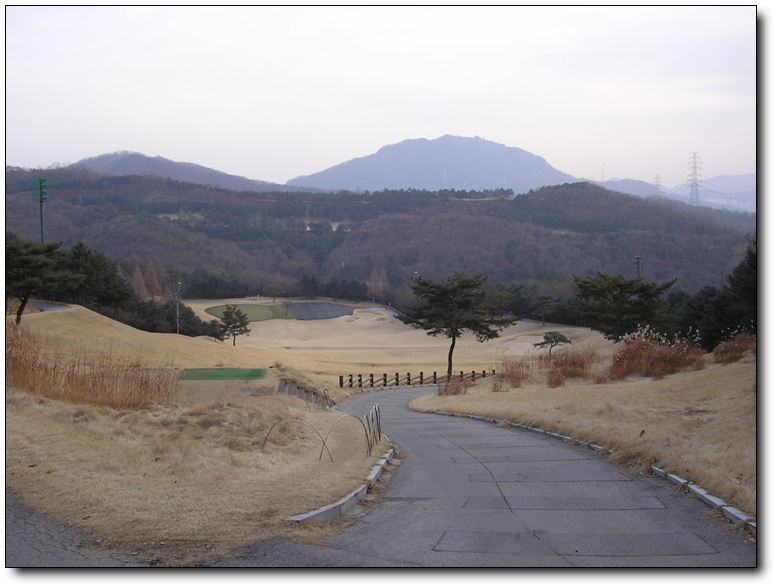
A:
[113,473]
[178,481]
[101,379]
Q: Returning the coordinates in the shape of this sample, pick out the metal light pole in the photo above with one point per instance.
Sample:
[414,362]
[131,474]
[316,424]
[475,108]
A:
[179,285]
[42,191]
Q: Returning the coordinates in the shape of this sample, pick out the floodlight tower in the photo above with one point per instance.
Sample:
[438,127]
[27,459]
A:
[694,180]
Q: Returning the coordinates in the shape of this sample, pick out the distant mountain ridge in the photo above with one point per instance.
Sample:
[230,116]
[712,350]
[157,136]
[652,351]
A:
[448,162]
[128,163]
[732,192]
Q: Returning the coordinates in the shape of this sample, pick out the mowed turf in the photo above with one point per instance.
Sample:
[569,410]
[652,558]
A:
[254,312]
[215,374]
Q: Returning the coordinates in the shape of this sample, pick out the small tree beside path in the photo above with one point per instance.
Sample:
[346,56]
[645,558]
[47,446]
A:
[449,308]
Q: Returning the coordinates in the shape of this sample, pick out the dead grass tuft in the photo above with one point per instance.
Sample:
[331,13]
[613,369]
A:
[101,380]
[556,378]
[515,370]
[650,358]
[572,363]
[454,387]
[734,349]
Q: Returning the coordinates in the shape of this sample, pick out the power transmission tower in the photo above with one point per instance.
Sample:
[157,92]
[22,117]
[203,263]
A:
[694,180]
[658,194]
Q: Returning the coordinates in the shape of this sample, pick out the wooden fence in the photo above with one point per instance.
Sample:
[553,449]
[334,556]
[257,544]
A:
[385,380]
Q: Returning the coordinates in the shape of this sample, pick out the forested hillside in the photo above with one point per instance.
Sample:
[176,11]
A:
[268,242]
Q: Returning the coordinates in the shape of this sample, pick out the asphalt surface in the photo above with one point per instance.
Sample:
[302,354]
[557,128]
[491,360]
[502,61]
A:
[468,494]
[33,541]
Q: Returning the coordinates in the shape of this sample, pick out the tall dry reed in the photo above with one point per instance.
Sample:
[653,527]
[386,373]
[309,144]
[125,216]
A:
[570,363]
[105,380]
[514,371]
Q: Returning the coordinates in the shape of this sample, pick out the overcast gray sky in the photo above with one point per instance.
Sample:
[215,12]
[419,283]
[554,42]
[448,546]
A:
[274,93]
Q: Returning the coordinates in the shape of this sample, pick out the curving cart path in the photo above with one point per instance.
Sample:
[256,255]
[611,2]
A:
[469,493]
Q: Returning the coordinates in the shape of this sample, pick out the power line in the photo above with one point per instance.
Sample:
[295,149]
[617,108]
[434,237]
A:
[694,179]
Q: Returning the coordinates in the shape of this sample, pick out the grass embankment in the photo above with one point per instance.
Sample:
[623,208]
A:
[695,418]
[173,475]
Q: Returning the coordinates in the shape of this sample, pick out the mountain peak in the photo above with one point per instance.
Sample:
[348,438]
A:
[447,162]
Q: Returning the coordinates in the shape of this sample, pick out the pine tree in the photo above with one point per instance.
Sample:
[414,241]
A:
[235,322]
[138,283]
[32,268]
[449,308]
[151,281]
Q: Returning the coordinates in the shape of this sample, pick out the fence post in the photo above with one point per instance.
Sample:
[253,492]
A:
[340,381]
[385,381]
[397,379]
[351,380]
[408,379]
[473,374]
[434,377]
[371,380]
[461,376]
[421,377]
[359,380]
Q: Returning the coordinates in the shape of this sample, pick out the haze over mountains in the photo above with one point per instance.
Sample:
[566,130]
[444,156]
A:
[448,162]
[128,163]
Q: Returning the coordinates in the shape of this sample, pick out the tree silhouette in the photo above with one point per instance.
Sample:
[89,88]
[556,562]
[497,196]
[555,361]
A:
[553,339]
[616,306]
[235,322]
[32,268]
[449,308]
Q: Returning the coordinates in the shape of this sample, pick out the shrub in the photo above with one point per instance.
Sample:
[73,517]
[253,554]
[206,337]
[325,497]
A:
[650,355]
[734,349]
[575,363]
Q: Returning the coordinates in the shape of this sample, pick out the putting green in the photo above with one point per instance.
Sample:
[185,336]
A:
[210,374]
[254,312]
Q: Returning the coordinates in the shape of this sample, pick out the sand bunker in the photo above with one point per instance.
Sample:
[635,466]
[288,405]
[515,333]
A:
[319,310]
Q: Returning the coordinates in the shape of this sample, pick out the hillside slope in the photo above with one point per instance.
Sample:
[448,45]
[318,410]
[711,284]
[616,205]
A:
[128,163]
[271,240]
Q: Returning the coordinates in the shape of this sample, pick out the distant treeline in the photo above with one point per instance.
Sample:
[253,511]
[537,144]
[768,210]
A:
[233,243]
[83,276]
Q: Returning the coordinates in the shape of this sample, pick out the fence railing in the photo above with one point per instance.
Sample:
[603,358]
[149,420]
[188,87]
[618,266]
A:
[387,380]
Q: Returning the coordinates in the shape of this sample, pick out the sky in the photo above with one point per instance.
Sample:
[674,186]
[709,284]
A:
[272,93]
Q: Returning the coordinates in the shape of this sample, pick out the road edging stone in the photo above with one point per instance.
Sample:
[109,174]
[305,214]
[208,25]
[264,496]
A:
[340,507]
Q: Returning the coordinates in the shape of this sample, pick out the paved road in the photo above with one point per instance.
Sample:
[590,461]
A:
[33,541]
[471,494]
[45,306]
